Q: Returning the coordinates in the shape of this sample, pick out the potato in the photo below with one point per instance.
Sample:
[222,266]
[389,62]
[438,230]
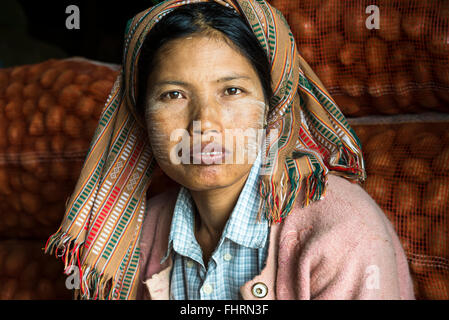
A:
[415,25]
[28,109]
[32,91]
[441,72]
[439,241]
[15,180]
[309,52]
[351,85]
[379,85]
[428,99]
[54,119]
[425,145]
[57,144]
[381,163]
[440,163]
[83,80]
[18,74]
[9,287]
[37,127]
[5,187]
[15,262]
[13,110]
[63,80]
[376,51]
[407,132]
[303,26]
[348,105]
[77,146]
[73,126]
[42,145]
[46,102]
[49,76]
[443,95]
[30,182]
[354,22]
[86,107]
[44,289]
[401,55]
[328,15]
[16,132]
[404,88]
[350,53]
[390,24]
[406,198]
[100,89]
[417,227]
[437,287]
[59,170]
[69,96]
[416,169]
[422,69]
[330,45]
[436,195]
[36,71]
[439,43]
[52,191]
[30,202]
[380,142]
[328,74]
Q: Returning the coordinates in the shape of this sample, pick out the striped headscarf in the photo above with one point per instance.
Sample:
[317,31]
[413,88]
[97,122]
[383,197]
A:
[102,223]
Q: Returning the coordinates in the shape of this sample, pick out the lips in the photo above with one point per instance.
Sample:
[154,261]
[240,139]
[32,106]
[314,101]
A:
[210,153]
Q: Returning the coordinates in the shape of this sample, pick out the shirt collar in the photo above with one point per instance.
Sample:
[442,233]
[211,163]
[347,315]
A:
[242,226]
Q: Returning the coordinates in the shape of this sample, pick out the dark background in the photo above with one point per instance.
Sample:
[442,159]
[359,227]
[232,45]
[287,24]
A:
[34,31]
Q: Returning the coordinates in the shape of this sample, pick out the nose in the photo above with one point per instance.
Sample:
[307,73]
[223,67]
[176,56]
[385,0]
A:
[206,118]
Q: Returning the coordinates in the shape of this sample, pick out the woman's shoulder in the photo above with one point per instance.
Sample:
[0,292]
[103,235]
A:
[345,213]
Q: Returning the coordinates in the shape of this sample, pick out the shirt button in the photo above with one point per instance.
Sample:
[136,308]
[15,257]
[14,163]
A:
[227,257]
[207,288]
[259,290]
[189,264]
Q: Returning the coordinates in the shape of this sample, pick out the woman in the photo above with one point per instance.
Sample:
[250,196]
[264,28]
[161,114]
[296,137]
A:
[243,220]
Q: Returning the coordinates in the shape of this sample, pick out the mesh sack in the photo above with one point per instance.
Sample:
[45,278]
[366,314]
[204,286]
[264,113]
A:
[48,114]
[407,163]
[399,66]
[27,274]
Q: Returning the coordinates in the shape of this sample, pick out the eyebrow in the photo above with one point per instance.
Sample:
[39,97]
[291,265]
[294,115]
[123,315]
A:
[185,84]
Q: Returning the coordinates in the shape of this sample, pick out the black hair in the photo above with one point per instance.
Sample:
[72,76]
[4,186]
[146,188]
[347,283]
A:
[205,18]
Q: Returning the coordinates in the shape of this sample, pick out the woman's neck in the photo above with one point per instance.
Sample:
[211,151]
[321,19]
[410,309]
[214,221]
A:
[214,209]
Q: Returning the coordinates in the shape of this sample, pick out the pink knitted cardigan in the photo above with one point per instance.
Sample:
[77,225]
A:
[340,247]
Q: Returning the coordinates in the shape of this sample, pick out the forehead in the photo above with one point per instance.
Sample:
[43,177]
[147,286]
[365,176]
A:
[209,54]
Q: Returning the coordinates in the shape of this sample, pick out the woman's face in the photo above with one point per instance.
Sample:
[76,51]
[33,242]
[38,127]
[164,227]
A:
[201,91]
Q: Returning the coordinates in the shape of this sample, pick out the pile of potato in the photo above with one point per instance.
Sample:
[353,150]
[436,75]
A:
[402,67]
[48,114]
[408,175]
[26,273]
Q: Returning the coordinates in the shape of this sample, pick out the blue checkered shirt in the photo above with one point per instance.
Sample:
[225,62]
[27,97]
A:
[239,256]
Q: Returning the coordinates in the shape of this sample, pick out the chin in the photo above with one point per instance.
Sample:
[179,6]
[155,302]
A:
[209,177]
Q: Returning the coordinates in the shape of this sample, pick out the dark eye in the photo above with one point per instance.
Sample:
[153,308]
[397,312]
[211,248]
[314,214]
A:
[233,90]
[172,94]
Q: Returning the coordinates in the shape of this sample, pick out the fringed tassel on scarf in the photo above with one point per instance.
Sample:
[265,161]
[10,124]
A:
[92,285]
[278,202]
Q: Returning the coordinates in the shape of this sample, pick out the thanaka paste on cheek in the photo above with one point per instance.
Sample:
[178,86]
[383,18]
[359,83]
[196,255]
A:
[238,117]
